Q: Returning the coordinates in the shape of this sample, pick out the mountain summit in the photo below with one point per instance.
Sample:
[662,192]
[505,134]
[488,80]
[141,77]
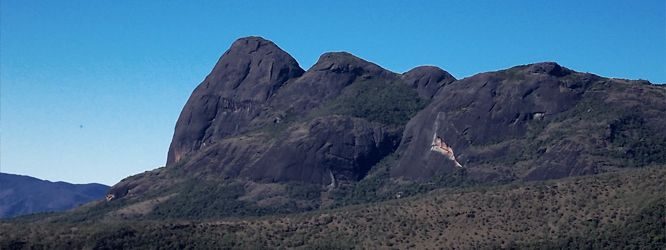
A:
[249,73]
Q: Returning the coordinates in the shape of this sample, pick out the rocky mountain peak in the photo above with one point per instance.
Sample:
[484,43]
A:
[550,68]
[251,44]
[258,118]
[427,80]
[252,69]
[260,134]
[344,62]
[245,76]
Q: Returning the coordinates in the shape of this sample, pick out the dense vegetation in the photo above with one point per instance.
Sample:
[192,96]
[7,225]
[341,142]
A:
[377,186]
[377,101]
[609,211]
[389,103]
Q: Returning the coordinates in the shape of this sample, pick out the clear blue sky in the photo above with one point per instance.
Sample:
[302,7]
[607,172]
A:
[91,90]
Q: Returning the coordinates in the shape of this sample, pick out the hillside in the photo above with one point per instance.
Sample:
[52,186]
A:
[21,195]
[536,122]
[607,211]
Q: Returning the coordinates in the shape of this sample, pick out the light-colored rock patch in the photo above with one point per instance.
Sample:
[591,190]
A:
[438,145]
[136,210]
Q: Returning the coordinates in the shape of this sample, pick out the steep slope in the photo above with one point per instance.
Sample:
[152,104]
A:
[327,151]
[21,195]
[535,122]
[259,119]
[347,131]
[245,76]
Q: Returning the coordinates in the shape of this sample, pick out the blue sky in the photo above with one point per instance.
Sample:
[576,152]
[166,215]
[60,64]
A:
[91,90]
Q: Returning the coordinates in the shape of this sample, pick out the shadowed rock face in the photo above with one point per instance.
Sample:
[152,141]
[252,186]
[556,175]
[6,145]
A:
[320,84]
[328,150]
[482,109]
[249,73]
[256,87]
[535,122]
[427,80]
[258,117]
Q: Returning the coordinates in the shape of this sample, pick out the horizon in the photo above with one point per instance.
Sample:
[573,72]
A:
[91,91]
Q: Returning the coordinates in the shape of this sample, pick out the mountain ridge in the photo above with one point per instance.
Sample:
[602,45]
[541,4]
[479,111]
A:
[330,126]
[22,194]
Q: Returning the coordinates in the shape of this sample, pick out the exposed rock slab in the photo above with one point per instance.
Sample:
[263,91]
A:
[482,109]
[249,73]
[427,80]
[326,151]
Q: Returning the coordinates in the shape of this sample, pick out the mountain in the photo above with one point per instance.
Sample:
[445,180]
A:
[260,135]
[535,122]
[21,195]
[248,74]
[259,117]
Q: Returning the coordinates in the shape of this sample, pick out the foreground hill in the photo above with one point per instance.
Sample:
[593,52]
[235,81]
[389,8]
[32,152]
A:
[608,211]
[21,194]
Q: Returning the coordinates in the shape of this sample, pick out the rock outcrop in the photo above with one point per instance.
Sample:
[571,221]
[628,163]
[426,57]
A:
[326,151]
[258,120]
[523,122]
[427,80]
[259,116]
[233,94]
[320,84]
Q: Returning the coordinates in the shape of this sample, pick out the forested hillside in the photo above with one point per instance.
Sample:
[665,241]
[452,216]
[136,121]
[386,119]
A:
[607,211]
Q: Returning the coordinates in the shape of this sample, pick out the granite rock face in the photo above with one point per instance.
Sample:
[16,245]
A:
[485,108]
[538,121]
[259,118]
[326,151]
[427,80]
[233,94]
[322,83]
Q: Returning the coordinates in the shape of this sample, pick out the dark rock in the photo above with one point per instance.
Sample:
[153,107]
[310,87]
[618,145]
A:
[258,118]
[323,82]
[249,73]
[483,109]
[549,68]
[256,87]
[327,151]
[259,131]
[535,122]
[224,159]
[427,80]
